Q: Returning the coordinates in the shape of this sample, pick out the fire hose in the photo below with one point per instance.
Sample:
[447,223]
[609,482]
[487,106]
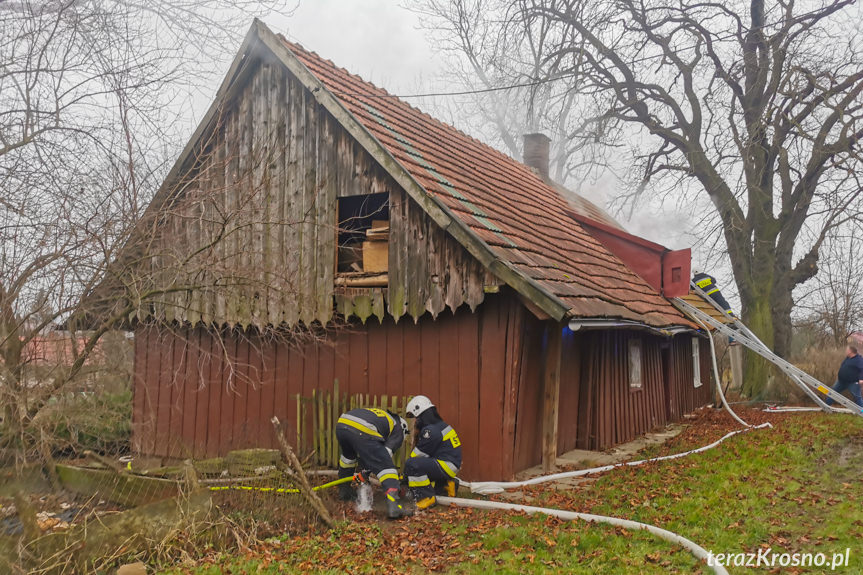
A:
[490,487]
[698,551]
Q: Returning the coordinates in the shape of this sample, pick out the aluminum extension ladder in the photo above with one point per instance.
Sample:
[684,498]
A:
[811,386]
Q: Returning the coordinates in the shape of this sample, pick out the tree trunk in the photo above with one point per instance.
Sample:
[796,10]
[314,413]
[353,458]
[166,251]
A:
[781,308]
[758,316]
[766,310]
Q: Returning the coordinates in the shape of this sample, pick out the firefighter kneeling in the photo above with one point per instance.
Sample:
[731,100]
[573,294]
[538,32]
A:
[436,457]
[371,435]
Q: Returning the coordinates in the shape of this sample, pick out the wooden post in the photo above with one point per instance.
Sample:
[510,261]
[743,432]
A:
[302,482]
[551,395]
[337,411]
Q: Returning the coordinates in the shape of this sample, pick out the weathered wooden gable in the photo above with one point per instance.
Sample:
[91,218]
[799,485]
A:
[251,236]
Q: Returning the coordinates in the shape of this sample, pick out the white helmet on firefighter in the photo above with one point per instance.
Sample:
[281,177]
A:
[405,427]
[417,405]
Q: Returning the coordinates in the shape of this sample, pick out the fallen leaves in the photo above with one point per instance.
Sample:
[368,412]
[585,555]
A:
[772,488]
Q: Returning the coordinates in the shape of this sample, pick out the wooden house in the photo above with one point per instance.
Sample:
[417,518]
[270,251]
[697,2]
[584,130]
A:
[525,312]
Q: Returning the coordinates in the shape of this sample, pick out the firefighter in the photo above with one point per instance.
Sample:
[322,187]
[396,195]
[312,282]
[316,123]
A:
[371,436]
[708,285]
[436,457]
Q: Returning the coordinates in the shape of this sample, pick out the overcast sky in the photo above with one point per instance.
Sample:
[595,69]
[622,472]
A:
[376,39]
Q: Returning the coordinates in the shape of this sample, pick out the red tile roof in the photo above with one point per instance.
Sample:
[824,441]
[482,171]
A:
[504,202]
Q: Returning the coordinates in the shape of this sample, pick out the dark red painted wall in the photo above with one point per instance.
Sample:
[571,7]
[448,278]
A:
[597,408]
[666,271]
[193,398]
[201,396]
[643,260]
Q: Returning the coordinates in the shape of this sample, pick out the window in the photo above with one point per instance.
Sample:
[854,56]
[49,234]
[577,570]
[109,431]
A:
[696,362]
[363,240]
[635,371]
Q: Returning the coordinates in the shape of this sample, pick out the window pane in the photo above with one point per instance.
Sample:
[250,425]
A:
[696,362]
[635,376]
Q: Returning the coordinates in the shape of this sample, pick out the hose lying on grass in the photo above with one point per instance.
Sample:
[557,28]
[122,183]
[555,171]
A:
[490,487]
[698,551]
[795,409]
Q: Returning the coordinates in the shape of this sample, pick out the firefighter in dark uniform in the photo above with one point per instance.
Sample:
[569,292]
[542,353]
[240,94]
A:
[436,457]
[708,285]
[371,435]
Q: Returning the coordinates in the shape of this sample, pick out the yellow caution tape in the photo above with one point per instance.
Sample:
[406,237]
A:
[277,489]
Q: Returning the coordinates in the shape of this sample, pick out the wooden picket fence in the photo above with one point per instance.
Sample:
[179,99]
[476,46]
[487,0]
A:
[320,412]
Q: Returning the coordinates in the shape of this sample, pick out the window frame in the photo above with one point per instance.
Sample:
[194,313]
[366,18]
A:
[696,362]
[632,345]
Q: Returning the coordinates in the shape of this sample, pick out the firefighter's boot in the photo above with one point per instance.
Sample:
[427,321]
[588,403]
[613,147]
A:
[394,505]
[451,488]
[347,492]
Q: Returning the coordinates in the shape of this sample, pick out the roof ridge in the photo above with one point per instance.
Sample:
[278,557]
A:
[396,98]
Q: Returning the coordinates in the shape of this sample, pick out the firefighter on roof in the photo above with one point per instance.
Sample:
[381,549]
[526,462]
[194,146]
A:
[708,285]
[371,436]
[436,457]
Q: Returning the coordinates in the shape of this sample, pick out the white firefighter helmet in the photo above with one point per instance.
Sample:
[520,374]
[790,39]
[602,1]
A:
[417,405]
[405,427]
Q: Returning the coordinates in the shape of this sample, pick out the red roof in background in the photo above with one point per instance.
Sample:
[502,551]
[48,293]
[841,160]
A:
[58,349]
[523,219]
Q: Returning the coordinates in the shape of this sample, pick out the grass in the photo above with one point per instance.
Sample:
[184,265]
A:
[795,488]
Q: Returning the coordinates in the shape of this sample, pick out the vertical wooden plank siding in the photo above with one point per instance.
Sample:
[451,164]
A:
[469,360]
[254,429]
[190,388]
[269,406]
[609,412]
[240,423]
[215,383]
[285,403]
[483,369]
[492,415]
[570,367]
[465,374]
[163,403]
[550,394]
[273,167]
[685,396]
[528,410]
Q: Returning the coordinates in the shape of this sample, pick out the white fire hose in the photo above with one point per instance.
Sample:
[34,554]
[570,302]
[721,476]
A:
[490,487]
[698,551]
[716,375]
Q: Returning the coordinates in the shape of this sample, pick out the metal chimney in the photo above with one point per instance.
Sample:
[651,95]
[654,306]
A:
[536,150]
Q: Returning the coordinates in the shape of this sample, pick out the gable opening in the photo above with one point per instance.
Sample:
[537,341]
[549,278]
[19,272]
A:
[363,240]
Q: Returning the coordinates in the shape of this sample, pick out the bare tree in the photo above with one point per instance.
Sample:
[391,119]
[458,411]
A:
[92,99]
[753,107]
[502,62]
[833,304]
